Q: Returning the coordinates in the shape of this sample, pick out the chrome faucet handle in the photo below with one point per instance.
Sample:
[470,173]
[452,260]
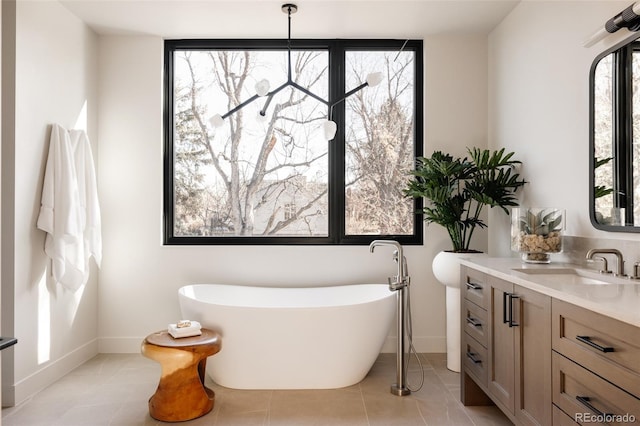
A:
[636,272]
[393,283]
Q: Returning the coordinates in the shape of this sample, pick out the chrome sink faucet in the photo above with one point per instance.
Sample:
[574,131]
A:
[591,255]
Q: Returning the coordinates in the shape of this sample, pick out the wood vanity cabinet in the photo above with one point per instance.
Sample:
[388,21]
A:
[517,363]
[545,361]
[596,365]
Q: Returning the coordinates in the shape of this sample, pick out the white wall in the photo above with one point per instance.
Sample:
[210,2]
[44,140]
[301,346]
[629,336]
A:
[56,77]
[140,278]
[539,106]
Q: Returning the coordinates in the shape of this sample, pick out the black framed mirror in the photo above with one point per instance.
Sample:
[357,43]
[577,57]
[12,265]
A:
[614,139]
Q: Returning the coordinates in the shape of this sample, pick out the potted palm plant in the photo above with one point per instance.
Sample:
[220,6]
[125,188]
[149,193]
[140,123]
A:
[455,191]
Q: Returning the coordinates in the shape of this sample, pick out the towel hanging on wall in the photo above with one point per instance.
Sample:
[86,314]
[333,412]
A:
[70,211]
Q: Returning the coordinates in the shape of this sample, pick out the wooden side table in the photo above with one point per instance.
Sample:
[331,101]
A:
[181,393]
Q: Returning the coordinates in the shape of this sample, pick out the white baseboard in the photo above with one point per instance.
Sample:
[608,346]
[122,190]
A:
[53,371]
[119,345]
[434,344]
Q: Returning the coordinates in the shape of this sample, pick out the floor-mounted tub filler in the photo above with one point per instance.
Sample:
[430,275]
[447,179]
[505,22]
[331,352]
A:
[400,284]
[292,338]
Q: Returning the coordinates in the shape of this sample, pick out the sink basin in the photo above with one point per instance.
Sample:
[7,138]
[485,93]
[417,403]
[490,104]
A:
[568,276]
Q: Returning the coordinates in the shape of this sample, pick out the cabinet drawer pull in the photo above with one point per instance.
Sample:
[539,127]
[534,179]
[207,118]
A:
[586,401]
[587,341]
[473,286]
[505,318]
[512,323]
[473,358]
[474,322]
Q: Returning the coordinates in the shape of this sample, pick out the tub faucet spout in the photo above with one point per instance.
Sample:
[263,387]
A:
[401,279]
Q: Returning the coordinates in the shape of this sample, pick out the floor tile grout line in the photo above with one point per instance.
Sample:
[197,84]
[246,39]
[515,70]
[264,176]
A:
[270,407]
[364,404]
[420,412]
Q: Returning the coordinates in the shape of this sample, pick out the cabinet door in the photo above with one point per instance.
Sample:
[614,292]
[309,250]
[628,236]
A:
[501,348]
[532,313]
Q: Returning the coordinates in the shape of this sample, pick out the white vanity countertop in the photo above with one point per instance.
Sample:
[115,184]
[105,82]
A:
[619,300]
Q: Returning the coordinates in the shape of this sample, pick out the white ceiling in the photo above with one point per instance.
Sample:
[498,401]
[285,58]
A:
[315,18]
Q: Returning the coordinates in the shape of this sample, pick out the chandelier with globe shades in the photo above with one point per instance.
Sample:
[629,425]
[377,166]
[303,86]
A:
[262,89]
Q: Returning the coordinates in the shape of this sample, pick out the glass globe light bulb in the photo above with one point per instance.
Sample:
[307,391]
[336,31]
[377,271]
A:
[217,121]
[374,79]
[329,128]
[262,87]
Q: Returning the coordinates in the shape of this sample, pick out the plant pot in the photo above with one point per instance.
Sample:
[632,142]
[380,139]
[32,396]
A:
[446,269]
[536,233]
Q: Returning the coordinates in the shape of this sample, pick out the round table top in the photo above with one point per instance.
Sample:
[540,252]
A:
[163,338]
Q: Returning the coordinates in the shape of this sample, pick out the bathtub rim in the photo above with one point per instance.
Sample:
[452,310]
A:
[391,293]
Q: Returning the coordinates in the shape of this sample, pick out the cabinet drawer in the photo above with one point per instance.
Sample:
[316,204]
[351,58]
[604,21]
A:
[587,397]
[475,360]
[560,418]
[475,322]
[474,287]
[607,347]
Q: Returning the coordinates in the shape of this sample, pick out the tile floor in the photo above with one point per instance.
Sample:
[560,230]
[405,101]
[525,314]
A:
[113,390]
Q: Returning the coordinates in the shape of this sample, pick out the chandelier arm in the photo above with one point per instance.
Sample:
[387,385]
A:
[309,93]
[263,111]
[329,117]
[277,89]
[270,95]
[349,93]
[240,106]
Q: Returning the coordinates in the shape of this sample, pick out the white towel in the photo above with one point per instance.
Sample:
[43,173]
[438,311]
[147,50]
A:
[180,333]
[70,211]
[193,330]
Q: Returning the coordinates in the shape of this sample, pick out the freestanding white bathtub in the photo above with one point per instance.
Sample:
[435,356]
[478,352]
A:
[292,338]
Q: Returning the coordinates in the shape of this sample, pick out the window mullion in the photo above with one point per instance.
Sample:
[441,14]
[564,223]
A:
[337,145]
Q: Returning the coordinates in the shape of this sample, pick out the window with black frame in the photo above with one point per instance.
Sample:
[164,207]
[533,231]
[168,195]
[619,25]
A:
[267,174]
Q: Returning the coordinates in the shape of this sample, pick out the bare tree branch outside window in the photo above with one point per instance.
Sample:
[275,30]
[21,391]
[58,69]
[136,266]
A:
[380,151]
[236,180]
